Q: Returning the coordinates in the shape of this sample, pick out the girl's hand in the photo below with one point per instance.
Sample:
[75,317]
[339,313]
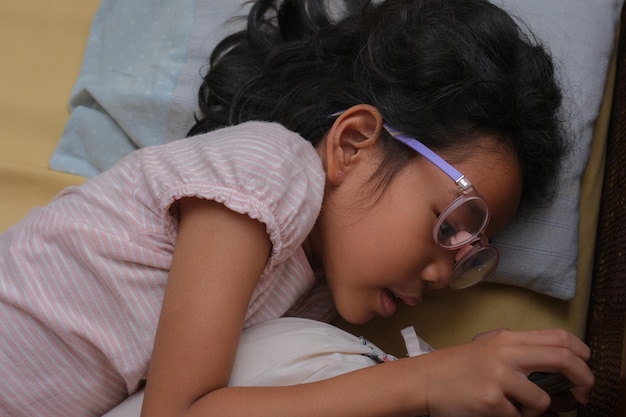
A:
[489,376]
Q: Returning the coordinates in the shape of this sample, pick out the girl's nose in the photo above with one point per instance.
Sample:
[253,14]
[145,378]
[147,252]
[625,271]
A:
[463,250]
[460,236]
[439,272]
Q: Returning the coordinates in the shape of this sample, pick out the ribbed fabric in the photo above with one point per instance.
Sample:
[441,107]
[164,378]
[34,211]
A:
[82,279]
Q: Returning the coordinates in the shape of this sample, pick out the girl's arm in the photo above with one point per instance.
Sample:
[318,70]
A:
[218,257]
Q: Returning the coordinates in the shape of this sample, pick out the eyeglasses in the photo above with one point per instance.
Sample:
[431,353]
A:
[462,224]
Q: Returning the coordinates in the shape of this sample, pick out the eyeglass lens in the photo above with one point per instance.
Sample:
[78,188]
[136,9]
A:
[462,222]
[474,267]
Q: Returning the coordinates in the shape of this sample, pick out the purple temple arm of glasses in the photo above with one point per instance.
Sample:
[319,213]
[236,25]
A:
[420,148]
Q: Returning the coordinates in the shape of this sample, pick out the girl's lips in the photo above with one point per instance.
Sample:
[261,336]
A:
[388,303]
[410,301]
[390,299]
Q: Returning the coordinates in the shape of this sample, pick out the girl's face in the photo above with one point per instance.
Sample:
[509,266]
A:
[379,250]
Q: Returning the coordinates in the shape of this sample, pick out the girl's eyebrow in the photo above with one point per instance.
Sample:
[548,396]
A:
[454,193]
[450,195]
[449,191]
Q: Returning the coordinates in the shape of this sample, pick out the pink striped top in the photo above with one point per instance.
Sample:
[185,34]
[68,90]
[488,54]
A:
[82,279]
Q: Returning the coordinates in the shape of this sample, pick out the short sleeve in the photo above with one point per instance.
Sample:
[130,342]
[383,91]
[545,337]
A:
[260,169]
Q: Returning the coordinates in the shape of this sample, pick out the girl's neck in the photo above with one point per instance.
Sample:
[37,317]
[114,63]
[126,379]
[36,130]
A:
[311,247]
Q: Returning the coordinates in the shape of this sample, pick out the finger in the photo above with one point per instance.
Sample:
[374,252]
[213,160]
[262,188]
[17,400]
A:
[557,338]
[530,399]
[557,359]
[581,394]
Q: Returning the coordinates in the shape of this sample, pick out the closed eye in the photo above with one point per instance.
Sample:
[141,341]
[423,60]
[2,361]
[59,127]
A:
[447,230]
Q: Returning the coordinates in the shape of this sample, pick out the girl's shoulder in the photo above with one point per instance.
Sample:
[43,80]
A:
[253,137]
[257,168]
[258,157]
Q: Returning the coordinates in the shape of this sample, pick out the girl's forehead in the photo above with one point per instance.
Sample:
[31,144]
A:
[496,175]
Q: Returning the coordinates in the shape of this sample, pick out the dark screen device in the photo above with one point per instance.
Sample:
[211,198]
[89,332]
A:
[551,382]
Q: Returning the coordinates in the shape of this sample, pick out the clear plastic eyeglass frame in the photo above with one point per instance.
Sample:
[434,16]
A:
[462,224]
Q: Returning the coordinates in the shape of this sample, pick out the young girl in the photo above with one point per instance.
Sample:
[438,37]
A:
[373,150]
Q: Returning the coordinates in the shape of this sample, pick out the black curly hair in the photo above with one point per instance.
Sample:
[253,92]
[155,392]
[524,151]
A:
[443,71]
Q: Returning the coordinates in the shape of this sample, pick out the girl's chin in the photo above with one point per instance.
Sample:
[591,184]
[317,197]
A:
[357,317]
[357,314]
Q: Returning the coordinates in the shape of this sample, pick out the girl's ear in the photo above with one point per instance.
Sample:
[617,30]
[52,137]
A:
[352,138]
